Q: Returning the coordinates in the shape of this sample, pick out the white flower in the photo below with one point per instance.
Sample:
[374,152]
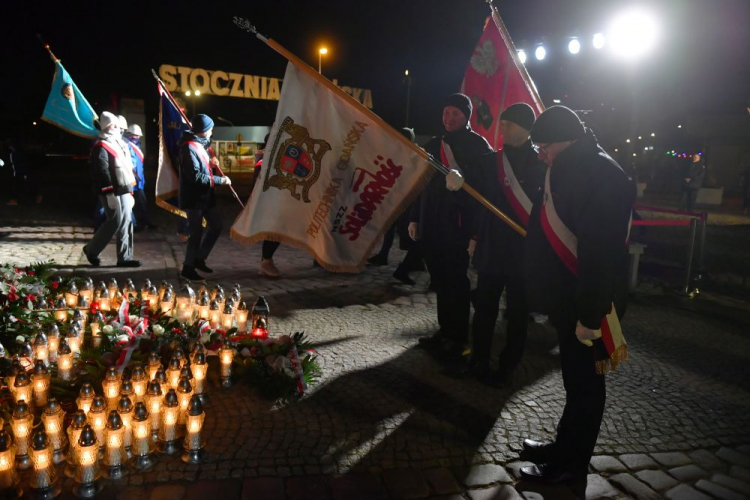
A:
[12,319]
[108,329]
[123,337]
[158,329]
[20,339]
[205,338]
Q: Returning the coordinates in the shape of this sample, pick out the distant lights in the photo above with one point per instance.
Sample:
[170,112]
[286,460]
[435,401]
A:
[598,41]
[679,126]
[522,56]
[574,46]
[640,137]
[556,101]
[627,140]
[633,33]
[653,134]
[540,53]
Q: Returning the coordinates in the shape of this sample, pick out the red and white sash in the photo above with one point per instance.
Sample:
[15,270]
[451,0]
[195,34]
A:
[565,244]
[515,194]
[198,149]
[447,158]
[137,151]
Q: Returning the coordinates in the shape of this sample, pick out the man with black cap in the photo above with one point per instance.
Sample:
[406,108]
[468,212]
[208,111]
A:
[197,195]
[442,220]
[576,273]
[511,179]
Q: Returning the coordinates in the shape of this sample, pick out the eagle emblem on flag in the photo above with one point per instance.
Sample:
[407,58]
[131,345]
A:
[484,60]
[296,159]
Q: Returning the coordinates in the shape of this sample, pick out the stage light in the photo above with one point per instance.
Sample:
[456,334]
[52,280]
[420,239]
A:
[540,53]
[599,40]
[522,56]
[633,33]
[574,46]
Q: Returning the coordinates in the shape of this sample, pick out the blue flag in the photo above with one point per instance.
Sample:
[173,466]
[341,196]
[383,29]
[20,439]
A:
[67,108]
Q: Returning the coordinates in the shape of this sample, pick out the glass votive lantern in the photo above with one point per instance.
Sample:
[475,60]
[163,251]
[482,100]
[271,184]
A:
[129,289]
[125,410]
[226,356]
[203,307]
[227,316]
[184,305]
[103,299]
[52,418]
[168,435]
[84,305]
[161,378]
[217,290]
[86,291]
[260,316]
[71,296]
[87,465]
[140,379]
[154,400]
[184,393]
[8,476]
[173,372]
[162,288]
[79,316]
[43,482]
[40,380]
[97,417]
[64,361]
[178,353]
[111,387]
[166,302]
[53,341]
[115,455]
[112,287]
[61,310]
[153,298]
[240,315]
[193,445]
[74,338]
[200,370]
[214,315]
[143,446]
[10,376]
[77,423]
[85,398]
[22,388]
[41,348]
[21,423]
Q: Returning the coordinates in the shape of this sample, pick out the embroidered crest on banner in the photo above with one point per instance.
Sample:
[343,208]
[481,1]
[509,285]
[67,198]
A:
[296,160]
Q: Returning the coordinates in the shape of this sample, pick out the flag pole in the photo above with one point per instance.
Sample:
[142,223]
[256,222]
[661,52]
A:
[245,25]
[174,103]
[514,54]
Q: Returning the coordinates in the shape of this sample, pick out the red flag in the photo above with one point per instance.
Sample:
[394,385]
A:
[495,79]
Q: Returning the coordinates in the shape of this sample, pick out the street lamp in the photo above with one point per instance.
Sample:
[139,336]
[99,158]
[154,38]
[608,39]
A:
[193,95]
[321,52]
[407,77]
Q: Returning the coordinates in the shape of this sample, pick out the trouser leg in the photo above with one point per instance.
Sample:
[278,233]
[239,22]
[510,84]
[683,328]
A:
[195,230]
[486,309]
[106,230]
[125,228]
[213,231]
[269,248]
[517,317]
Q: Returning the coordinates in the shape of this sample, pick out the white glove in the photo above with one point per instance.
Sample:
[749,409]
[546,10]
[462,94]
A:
[472,247]
[413,227]
[454,180]
[111,201]
[586,335]
[226,181]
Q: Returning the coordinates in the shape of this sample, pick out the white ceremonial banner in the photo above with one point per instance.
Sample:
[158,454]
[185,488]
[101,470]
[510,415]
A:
[333,178]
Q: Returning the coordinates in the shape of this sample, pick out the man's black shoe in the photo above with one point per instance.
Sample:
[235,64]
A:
[378,260]
[433,341]
[129,263]
[547,474]
[403,276]
[534,451]
[94,261]
[190,274]
[201,266]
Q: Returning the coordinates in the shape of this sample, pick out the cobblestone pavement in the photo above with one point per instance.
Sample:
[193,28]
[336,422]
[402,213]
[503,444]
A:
[385,421]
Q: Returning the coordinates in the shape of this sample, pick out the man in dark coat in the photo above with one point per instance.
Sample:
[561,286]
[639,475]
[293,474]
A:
[576,270]
[442,220]
[692,182]
[511,179]
[197,196]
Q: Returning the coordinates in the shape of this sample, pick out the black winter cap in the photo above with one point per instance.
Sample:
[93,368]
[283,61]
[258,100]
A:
[519,113]
[557,124]
[460,101]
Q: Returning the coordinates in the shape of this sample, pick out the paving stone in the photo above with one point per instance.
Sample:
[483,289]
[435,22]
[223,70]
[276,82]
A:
[718,491]
[482,475]
[406,483]
[634,487]
[214,489]
[441,481]
[638,461]
[598,487]
[733,457]
[745,448]
[308,488]
[267,488]
[656,479]
[168,492]
[132,494]
[499,492]
[740,473]
[448,497]
[672,459]
[605,463]
[515,468]
[688,473]
[685,492]
[359,486]
[706,460]
[732,483]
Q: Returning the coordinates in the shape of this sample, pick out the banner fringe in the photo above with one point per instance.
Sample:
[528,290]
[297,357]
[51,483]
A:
[610,364]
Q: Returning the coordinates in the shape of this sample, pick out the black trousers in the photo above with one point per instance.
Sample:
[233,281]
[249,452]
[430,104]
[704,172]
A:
[448,265]
[269,248]
[486,309]
[199,245]
[585,395]
[687,200]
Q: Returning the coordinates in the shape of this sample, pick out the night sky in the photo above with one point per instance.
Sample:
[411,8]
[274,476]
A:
[702,62]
